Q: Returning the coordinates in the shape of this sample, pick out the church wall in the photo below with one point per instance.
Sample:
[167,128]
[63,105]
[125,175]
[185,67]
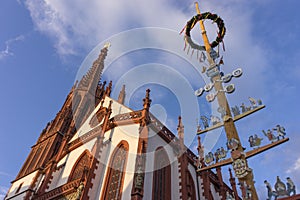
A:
[130,134]
[192,170]
[215,195]
[69,162]
[201,191]
[117,108]
[25,181]
[175,179]
[154,142]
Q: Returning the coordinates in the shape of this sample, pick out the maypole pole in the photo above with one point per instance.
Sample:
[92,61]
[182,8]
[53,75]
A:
[240,164]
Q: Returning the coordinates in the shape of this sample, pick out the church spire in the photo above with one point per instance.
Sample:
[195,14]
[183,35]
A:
[89,91]
[91,79]
[122,94]
[180,130]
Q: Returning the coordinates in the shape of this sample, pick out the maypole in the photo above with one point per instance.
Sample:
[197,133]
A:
[229,126]
[238,157]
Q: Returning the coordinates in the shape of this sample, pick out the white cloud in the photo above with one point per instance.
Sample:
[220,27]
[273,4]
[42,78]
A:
[75,25]
[295,167]
[7,51]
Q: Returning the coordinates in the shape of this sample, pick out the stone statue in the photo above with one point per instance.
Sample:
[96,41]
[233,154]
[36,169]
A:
[79,190]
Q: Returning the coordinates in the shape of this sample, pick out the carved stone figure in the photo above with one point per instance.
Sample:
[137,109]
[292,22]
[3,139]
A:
[79,190]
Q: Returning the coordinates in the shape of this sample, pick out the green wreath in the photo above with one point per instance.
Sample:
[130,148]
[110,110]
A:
[207,15]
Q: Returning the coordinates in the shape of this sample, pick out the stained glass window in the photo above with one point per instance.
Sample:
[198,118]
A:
[162,176]
[190,187]
[115,174]
[82,163]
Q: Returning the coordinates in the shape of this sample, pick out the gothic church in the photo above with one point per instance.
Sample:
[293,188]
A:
[97,148]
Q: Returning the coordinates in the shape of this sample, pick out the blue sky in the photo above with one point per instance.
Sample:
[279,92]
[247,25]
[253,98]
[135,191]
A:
[44,43]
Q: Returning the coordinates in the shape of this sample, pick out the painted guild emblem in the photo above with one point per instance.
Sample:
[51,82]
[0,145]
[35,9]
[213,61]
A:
[208,87]
[240,168]
[209,158]
[199,92]
[226,78]
[232,144]
[237,73]
[210,97]
[229,88]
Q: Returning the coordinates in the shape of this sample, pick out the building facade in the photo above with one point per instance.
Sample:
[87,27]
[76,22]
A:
[97,148]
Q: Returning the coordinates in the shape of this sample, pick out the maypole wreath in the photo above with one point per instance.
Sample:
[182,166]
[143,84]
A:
[191,23]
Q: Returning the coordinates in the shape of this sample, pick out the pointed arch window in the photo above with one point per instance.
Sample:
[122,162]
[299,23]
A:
[161,189]
[81,165]
[190,187]
[115,174]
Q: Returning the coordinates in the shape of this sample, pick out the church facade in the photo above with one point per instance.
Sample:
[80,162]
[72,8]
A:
[97,148]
